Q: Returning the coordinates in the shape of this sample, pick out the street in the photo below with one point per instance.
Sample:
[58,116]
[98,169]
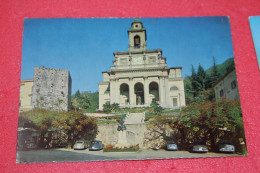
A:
[70,155]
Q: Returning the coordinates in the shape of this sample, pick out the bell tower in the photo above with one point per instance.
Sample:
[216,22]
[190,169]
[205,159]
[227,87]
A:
[137,36]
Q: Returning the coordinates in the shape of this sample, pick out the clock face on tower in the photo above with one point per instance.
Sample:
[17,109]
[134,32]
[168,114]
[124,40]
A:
[138,60]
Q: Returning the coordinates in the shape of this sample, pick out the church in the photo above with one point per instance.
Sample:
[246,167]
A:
[141,75]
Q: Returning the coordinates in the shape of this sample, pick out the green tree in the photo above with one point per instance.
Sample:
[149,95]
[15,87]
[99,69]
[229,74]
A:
[214,75]
[201,78]
[40,120]
[75,104]
[84,102]
[75,101]
[77,126]
[80,101]
[157,109]
[115,107]
[231,65]
[77,94]
[210,121]
[107,108]
[195,83]
[188,90]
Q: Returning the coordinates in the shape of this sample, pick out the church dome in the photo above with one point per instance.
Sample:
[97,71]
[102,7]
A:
[136,20]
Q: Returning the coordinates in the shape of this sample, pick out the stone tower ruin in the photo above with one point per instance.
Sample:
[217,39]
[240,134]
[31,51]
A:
[51,89]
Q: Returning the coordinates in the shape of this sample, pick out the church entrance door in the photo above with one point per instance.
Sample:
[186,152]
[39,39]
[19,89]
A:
[139,93]
[124,94]
[154,91]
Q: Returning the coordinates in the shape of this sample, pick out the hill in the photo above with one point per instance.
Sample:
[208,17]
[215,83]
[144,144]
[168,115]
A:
[223,68]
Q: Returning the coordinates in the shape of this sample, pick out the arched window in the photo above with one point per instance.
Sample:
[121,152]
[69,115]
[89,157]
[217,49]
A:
[174,88]
[137,41]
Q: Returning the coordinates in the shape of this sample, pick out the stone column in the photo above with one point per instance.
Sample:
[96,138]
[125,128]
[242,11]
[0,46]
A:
[131,92]
[179,95]
[112,91]
[117,92]
[167,94]
[146,91]
[162,91]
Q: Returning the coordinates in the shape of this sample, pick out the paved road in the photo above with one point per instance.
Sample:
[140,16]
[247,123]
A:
[70,155]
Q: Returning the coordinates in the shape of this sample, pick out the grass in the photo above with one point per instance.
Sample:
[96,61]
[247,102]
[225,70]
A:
[118,116]
[90,110]
[135,109]
[149,115]
[172,111]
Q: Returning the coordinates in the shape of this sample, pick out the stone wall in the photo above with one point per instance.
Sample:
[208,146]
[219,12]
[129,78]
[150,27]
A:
[141,134]
[51,89]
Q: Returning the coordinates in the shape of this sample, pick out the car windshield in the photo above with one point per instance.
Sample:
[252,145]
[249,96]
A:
[94,142]
[171,143]
[94,145]
[79,142]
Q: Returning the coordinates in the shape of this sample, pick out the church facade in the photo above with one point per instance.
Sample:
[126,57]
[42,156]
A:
[140,76]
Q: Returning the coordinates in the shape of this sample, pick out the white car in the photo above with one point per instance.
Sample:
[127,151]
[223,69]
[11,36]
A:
[80,145]
[200,147]
[226,146]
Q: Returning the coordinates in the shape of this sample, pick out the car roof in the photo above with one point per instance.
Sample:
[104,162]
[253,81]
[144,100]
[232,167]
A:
[80,141]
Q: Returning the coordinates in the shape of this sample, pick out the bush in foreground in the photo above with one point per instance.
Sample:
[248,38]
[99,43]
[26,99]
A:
[111,148]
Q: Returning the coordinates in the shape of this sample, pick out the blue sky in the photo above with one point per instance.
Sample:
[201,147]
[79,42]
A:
[85,46]
[255,28]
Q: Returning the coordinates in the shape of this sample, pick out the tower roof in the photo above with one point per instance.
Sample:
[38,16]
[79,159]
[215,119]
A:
[136,20]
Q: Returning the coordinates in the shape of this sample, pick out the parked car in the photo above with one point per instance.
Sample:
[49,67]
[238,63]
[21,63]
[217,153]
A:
[80,145]
[226,146]
[172,146]
[96,145]
[200,146]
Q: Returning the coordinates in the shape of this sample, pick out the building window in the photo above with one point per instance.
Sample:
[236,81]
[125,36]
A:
[137,41]
[221,93]
[174,88]
[174,102]
[233,84]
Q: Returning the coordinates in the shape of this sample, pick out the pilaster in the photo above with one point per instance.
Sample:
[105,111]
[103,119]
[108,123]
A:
[117,90]
[131,92]
[112,91]
[167,94]
[162,91]
[146,91]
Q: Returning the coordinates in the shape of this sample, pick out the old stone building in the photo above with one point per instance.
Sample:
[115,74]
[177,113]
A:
[25,95]
[140,75]
[51,89]
[227,87]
